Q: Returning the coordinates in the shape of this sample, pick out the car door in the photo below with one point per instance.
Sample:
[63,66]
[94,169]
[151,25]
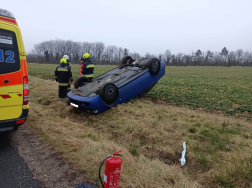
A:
[11,73]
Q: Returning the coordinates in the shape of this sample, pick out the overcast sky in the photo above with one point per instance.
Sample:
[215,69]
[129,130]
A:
[140,25]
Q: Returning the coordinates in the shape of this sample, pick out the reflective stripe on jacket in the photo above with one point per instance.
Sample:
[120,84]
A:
[63,74]
[87,75]
[63,84]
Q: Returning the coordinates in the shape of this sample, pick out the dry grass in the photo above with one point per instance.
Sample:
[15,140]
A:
[151,136]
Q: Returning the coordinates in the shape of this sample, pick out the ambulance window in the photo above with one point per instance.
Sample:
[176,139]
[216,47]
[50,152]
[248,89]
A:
[9,54]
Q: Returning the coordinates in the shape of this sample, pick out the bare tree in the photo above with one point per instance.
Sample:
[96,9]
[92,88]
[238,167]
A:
[198,54]
[120,53]
[231,58]
[247,58]
[187,59]
[147,55]
[239,55]
[167,56]
[208,56]
[52,51]
[224,54]
[126,51]
[99,48]
[135,56]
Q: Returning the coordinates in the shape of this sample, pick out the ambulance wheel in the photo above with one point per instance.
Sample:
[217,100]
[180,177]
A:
[16,127]
[109,93]
[80,81]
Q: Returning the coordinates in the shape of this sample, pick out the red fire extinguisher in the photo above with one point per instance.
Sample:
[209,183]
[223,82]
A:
[112,171]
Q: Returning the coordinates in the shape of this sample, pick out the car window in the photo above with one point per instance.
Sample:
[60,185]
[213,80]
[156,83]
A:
[9,54]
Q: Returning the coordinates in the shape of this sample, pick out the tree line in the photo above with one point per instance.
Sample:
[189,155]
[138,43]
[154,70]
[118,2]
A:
[52,51]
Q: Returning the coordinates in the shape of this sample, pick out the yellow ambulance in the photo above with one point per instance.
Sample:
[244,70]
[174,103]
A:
[14,91]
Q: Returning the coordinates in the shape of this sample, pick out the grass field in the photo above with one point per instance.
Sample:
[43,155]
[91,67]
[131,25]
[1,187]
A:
[151,135]
[227,90]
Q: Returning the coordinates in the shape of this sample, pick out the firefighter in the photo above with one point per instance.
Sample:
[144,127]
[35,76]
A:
[87,67]
[63,75]
[68,61]
[68,65]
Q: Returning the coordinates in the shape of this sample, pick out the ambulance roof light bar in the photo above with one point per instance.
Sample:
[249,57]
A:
[6,13]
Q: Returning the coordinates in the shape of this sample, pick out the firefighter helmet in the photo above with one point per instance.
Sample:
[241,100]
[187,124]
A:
[86,55]
[66,57]
[63,60]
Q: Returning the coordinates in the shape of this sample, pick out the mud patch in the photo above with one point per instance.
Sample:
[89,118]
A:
[167,157]
[47,166]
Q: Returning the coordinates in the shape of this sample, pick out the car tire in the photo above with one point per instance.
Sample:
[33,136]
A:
[126,60]
[80,81]
[154,66]
[109,93]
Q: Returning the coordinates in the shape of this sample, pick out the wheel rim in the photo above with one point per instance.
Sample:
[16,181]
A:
[154,65]
[110,91]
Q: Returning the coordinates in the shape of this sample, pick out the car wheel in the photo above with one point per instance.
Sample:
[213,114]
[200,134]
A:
[109,93]
[80,81]
[154,66]
[126,60]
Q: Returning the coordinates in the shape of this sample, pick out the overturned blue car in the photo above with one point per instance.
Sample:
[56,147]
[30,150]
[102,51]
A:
[131,79]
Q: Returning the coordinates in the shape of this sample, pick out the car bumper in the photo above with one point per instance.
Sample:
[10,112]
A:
[92,104]
[8,125]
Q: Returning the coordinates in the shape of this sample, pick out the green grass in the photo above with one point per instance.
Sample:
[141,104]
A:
[133,150]
[224,89]
[46,71]
[218,89]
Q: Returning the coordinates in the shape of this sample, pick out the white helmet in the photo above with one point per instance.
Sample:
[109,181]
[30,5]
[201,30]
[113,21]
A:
[66,57]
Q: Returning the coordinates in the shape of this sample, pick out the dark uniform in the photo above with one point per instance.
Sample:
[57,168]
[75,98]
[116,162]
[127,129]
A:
[87,68]
[62,75]
[69,65]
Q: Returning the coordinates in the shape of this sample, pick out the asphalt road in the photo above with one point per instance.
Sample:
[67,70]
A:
[14,172]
